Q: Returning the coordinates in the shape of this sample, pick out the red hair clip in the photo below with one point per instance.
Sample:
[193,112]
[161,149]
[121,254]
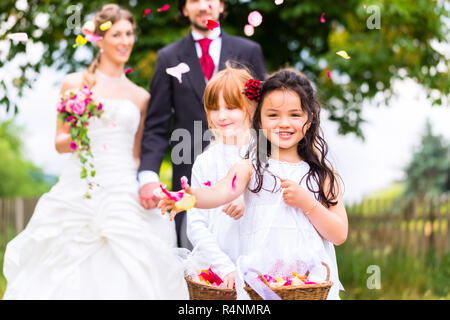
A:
[253,89]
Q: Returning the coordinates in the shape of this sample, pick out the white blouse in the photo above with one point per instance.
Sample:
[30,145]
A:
[211,231]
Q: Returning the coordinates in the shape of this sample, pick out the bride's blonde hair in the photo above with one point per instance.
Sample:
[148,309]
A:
[109,12]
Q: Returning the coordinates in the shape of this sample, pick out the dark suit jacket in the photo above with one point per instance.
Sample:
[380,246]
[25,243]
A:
[175,105]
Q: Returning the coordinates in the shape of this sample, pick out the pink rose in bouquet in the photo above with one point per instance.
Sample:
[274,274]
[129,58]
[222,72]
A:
[77,108]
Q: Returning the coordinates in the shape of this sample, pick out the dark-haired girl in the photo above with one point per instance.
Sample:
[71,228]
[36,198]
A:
[292,194]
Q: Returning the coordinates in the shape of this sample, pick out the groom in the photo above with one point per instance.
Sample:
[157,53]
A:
[174,105]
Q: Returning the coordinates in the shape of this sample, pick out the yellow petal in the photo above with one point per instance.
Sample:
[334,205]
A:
[186,203]
[343,54]
[105,26]
[80,40]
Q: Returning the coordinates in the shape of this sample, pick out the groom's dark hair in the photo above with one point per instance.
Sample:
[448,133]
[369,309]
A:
[182,18]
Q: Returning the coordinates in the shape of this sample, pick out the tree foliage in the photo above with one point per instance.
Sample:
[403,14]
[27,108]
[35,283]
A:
[428,172]
[18,176]
[291,35]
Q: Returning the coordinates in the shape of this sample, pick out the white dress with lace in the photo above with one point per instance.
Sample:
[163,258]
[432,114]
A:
[106,247]
[272,231]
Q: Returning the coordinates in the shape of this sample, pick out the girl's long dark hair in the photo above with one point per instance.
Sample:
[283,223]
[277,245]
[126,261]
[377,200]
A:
[312,148]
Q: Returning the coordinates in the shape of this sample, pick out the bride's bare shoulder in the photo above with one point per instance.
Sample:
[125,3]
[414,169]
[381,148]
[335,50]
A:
[140,96]
[72,81]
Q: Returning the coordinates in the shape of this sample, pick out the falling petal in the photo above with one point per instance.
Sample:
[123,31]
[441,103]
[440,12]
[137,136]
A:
[322,19]
[105,26]
[233,183]
[255,18]
[211,24]
[178,70]
[19,36]
[207,183]
[80,41]
[164,8]
[328,74]
[278,2]
[249,30]
[209,6]
[128,70]
[146,12]
[343,54]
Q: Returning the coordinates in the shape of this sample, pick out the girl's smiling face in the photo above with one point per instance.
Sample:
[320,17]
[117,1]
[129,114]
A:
[282,119]
[230,121]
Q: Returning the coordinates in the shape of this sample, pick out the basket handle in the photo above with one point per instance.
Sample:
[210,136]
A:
[328,271]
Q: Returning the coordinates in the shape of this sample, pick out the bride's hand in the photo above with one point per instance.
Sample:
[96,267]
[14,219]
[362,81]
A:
[229,281]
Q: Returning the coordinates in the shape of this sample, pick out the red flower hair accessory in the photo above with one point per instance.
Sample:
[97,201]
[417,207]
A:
[253,89]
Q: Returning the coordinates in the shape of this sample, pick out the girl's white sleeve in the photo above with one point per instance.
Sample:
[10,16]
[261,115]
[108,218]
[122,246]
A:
[198,223]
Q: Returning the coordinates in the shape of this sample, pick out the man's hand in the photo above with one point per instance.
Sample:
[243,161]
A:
[235,209]
[146,197]
[228,281]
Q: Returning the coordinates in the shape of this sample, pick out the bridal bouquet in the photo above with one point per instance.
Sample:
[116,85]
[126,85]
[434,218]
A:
[77,108]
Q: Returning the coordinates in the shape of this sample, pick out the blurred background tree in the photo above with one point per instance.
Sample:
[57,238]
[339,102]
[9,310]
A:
[18,176]
[427,174]
[404,45]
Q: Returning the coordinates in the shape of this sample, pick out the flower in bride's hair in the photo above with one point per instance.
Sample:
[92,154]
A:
[253,89]
[88,27]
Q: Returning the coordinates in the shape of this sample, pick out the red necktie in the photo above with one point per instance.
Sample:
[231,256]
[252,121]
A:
[206,61]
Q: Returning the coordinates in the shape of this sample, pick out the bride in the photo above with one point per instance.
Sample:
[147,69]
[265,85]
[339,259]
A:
[106,247]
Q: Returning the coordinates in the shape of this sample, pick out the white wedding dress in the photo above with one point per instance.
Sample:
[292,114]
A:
[106,247]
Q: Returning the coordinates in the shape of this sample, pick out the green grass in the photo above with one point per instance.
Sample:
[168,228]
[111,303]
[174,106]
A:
[402,275]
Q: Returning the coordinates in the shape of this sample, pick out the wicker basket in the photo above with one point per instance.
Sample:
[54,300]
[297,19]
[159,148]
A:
[303,292]
[199,291]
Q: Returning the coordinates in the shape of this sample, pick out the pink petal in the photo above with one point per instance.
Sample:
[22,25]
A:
[322,19]
[92,37]
[73,145]
[328,74]
[255,18]
[207,183]
[146,12]
[184,182]
[233,183]
[211,25]
[164,8]
[128,70]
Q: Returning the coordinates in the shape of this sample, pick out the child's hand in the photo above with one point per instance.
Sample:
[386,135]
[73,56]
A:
[228,281]
[166,203]
[292,192]
[235,209]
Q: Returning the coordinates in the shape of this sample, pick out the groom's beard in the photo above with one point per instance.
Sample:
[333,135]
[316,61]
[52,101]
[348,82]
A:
[196,26]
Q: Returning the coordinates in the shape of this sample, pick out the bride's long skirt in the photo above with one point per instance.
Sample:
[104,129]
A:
[106,247]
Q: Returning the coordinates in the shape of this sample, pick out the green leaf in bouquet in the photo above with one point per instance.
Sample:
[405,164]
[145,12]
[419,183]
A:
[93,173]
[74,131]
[83,160]
[83,174]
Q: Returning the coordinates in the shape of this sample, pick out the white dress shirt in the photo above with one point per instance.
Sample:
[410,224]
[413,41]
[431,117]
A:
[215,47]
